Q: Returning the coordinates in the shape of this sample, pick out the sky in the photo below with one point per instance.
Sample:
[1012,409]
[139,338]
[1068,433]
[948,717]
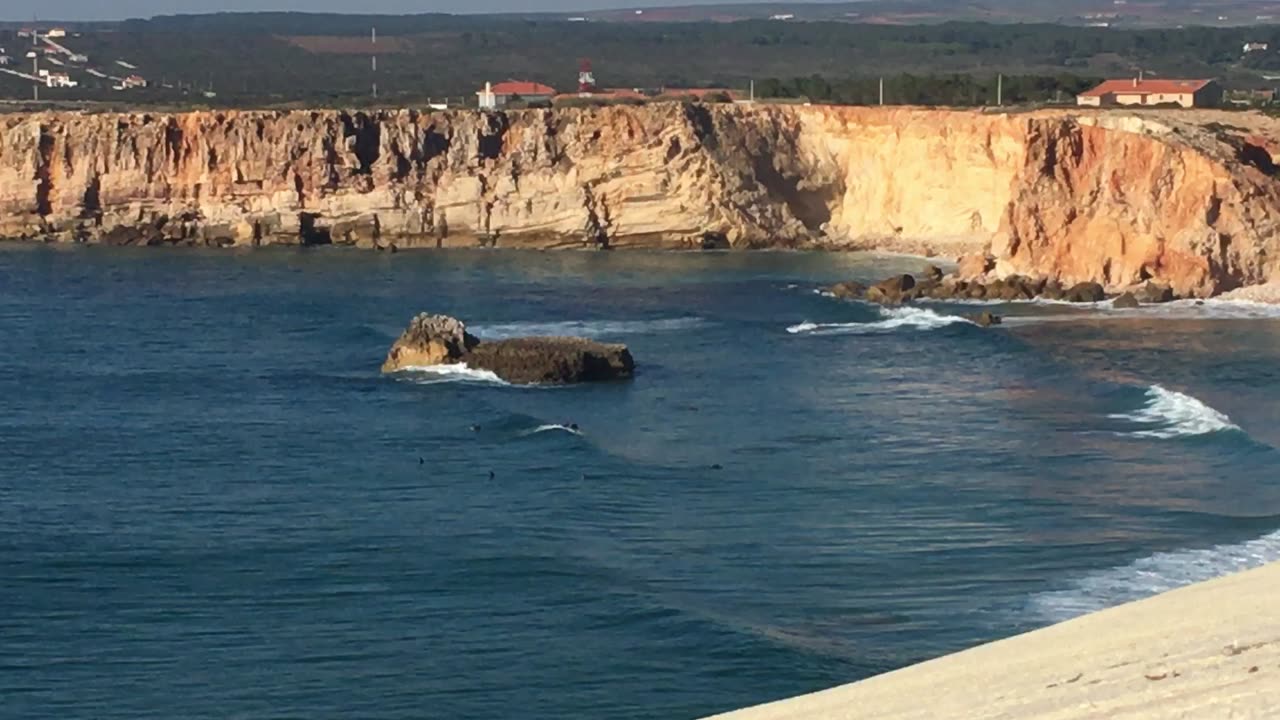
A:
[120,9]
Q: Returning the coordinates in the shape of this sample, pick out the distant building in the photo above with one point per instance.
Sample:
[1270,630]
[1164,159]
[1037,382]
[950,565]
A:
[56,33]
[78,58]
[493,97]
[783,16]
[1137,91]
[59,80]
[1255,47]
[5,59]
[131,82]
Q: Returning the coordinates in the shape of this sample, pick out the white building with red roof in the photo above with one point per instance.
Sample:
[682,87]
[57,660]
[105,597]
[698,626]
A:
[493,97]
[1139,91]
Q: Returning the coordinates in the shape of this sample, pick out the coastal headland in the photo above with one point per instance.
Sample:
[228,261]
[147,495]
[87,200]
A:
[1186,199]
[1210,650]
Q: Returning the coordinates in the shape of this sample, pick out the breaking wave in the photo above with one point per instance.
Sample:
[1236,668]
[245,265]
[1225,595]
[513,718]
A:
[894,318]
[456,373]
[1174,414]
[1153,575]
[586,328]
[549,428]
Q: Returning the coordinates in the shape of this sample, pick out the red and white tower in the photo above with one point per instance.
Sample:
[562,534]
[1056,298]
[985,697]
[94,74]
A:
[586,80]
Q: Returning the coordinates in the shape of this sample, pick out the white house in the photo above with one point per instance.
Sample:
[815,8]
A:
[56,33]
[493,97]
[59,80]
[1255,47]
[133,81]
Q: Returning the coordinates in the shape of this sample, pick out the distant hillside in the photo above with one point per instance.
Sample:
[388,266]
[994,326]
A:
[272,58]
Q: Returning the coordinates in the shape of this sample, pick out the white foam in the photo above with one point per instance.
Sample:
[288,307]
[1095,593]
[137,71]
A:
[1176,415]
[458,372]
[585,328]
[1214,309]
[894,318]
[550,428]
[1152,575]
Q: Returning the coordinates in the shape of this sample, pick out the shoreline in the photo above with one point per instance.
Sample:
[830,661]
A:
[1207,650]
[670,176]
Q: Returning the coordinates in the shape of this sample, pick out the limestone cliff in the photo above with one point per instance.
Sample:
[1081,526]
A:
[1187,198]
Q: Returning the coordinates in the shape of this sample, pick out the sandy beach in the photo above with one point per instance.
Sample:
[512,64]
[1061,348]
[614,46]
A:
[1206,651]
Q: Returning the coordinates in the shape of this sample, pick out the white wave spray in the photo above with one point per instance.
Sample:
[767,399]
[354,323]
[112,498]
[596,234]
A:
[585,328]
[1153,575]
[1175,415]
[455,373]
[894,318]
[550,428]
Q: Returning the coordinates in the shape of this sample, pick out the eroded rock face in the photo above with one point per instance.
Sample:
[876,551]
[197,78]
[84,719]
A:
[430,340]
[1071,197]
[443,340]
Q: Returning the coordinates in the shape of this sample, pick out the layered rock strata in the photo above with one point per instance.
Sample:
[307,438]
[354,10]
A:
[1185,199]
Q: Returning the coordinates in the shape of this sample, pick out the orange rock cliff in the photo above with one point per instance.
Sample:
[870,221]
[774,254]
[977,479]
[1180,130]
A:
[1187,199]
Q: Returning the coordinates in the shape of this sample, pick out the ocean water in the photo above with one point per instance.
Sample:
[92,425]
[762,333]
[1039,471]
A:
[212,505]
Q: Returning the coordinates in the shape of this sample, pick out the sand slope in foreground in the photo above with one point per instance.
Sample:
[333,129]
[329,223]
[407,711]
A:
[1206,651]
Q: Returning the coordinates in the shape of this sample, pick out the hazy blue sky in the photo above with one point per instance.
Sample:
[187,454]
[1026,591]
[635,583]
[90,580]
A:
[116,9]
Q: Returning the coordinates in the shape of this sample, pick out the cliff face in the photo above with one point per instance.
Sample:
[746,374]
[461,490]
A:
[1108,197]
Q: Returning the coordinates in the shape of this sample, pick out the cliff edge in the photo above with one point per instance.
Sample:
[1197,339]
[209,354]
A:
[1183,198]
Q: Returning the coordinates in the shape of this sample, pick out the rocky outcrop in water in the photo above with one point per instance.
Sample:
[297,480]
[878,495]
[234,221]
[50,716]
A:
[1186,199]
[900,289]
[443,340]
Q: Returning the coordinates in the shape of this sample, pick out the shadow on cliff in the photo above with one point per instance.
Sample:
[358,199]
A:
[811,206]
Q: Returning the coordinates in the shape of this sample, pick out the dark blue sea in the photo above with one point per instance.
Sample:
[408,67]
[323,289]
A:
[212,505]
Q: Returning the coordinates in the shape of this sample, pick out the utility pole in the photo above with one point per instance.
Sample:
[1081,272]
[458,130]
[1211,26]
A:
[881,89]
[373,44]
[999,89]
[35,63]
[753,91]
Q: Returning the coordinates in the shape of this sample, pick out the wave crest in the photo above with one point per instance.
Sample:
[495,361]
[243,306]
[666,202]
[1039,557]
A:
[1177,415]
[459,372]
[1152,575]
[585,328]
[549,428]
[893,318]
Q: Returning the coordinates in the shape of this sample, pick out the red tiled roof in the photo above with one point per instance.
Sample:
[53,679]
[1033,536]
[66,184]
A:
[1146,87]
[522,88]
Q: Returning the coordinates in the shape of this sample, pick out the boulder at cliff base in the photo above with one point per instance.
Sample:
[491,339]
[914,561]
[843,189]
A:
[443,340]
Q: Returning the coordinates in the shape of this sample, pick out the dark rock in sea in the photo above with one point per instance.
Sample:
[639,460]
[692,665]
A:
[987,319]
[848,290]
[1126,301]
[1017,287]
[1052,290]
[891,291]
[1085,292]
[443,340]
[1150,293]
[552,360]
